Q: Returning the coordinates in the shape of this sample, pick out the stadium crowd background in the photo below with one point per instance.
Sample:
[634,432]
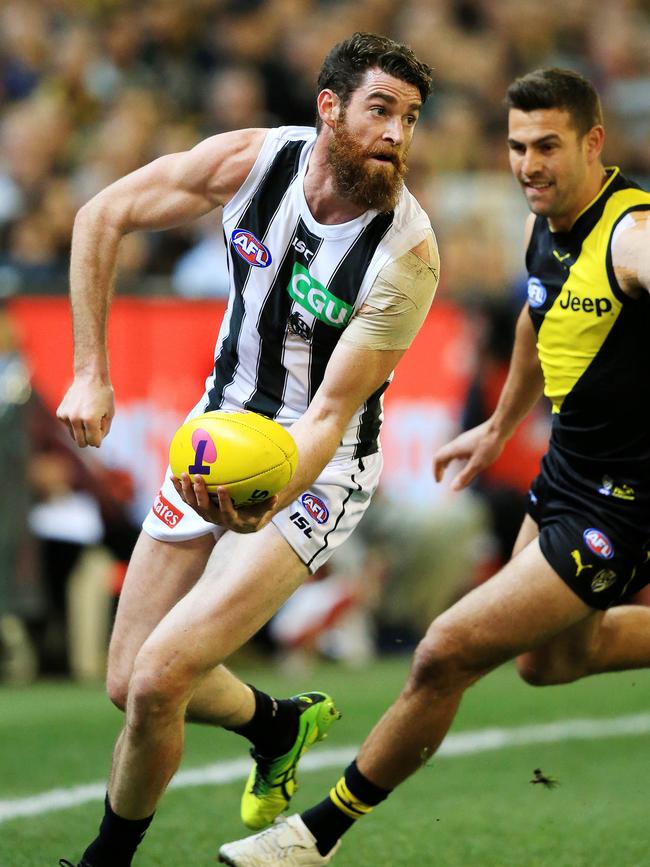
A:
[91,90]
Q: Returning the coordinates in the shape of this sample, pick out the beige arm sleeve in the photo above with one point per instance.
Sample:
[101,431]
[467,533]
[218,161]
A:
[398,301]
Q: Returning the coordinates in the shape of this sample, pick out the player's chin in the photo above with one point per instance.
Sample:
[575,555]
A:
[539,206]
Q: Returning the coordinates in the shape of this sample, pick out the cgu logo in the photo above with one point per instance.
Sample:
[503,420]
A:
[587,305]
[598,543]
[250,249]
[314,297]
[315,507]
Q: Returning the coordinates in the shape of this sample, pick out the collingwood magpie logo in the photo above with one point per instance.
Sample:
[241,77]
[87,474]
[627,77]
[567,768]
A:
[299,327]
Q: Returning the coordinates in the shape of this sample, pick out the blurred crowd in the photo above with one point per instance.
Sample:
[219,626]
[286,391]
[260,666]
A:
[92,89]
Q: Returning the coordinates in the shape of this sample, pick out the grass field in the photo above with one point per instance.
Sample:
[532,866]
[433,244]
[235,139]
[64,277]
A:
[467,809]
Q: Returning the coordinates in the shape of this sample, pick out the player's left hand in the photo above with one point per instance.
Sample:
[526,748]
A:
[220,509]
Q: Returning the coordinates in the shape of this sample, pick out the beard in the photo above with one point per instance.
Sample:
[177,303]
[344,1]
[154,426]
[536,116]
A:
[370,186]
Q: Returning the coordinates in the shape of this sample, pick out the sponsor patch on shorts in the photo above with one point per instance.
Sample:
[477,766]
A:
[603,580]
[315,507]
[598,543]
[166,511]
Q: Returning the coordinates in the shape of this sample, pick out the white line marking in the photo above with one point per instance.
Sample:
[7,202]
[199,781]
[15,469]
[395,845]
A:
[458,744]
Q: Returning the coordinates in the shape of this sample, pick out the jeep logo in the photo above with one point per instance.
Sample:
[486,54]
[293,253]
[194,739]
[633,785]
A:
[314,297]
[587,305]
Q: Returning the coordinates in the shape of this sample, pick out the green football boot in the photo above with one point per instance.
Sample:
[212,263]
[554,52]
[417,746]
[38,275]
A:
[272,782]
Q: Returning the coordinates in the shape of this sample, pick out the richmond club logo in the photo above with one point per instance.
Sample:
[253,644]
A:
[598,543]
[251,249]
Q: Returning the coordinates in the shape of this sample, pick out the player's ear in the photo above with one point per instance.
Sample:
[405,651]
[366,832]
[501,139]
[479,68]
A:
[329,107]
[594,141]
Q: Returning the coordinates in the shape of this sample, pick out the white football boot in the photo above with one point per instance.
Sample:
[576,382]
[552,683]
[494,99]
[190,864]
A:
[288,843]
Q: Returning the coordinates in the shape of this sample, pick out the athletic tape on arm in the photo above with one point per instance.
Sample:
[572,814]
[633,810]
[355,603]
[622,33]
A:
[397,303]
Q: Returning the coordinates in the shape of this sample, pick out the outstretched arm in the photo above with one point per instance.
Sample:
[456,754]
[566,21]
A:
[523,387]
[167,192]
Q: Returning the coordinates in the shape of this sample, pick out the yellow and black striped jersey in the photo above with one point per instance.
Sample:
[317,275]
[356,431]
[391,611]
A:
[593,340]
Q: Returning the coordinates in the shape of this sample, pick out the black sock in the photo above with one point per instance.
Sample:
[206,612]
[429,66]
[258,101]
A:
[274,725]
[350,799]
[117,840]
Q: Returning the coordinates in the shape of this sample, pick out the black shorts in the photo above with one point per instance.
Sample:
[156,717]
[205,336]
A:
[594,532]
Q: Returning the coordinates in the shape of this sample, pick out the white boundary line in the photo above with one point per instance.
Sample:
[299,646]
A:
[458,744]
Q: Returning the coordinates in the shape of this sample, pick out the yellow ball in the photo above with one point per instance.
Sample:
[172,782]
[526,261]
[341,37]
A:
[251,455]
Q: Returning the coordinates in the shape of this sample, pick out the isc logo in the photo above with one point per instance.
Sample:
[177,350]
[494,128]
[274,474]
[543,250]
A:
[301,523]
[300,247]
[315,507]
[250,249]
[598,543]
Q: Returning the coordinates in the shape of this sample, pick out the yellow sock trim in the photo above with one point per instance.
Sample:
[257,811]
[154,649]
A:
[345,801]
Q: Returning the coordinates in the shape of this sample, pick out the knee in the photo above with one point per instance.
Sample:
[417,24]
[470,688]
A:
[157,691]
[443,662]
[117,688]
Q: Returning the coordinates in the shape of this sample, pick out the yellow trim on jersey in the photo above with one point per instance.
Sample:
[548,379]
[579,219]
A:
[586,308]
[615,172]
[346,802]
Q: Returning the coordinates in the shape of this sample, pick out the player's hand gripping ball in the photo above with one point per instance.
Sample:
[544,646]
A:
[252,456]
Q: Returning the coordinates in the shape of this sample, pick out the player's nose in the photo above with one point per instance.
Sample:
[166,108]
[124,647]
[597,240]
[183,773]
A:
[393,132]
[531,164]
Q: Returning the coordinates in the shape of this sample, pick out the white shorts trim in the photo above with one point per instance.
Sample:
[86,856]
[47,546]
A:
[314,524]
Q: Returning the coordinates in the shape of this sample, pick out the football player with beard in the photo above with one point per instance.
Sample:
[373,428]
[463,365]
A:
[333,266]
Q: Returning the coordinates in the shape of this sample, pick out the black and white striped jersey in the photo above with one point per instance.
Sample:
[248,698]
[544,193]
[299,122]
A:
[294,286]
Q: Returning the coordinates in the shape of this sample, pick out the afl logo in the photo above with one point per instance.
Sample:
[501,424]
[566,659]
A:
[250,249]
[536,292]
[315,507]
[598,543]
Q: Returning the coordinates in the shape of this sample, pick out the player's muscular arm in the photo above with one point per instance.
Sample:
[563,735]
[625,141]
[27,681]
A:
[523,387]
[353,374]
[631,253]
[169,191]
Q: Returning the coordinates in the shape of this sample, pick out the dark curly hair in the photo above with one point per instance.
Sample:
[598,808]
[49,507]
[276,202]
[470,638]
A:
[348,61]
